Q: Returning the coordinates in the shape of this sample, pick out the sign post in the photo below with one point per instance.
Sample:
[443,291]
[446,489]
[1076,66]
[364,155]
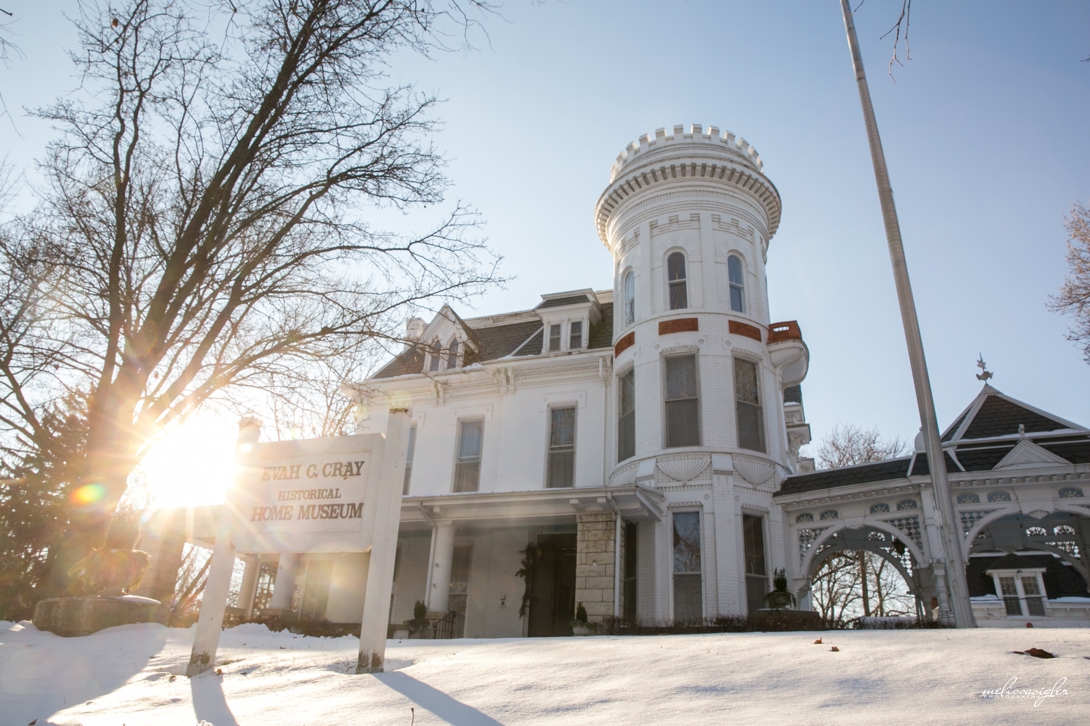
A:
[337,494]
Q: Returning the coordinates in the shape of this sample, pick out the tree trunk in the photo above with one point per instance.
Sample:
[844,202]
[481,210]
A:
[862,555]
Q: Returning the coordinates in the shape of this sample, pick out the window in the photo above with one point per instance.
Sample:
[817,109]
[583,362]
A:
[751,425]
[999,497]
[631,570]
[968,499]
[315,589]
[575,335]
[1022,593]
[436,354]
[554,337]
[682,404]
[626,421]
[753,542]
[737,284]
[629,298]
[409,460]
[452,354]
[688,588]
[907,504]
[879,508]
[467,470]
[561,448]
[830,514]
[266,582]
[805,517]
[675,275]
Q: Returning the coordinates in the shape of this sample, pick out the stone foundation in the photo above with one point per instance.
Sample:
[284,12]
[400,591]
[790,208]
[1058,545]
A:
[595,560]
[75,616]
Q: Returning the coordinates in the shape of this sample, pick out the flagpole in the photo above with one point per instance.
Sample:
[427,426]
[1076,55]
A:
[957,585]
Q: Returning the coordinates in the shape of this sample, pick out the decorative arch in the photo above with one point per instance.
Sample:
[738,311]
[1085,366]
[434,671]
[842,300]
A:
[828,532]
[984,522]
[913,586]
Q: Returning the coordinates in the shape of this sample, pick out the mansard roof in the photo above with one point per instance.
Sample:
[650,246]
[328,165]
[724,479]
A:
[511,335]
[994,432]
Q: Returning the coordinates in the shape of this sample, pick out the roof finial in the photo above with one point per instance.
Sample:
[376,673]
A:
[984,374]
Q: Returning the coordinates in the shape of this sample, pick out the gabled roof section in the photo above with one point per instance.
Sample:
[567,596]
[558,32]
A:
[993,414]
[1027,455]
[511,335]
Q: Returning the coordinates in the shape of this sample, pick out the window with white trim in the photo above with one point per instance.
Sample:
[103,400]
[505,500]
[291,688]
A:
[629,298]
[452,355]
[575,335]
[737,284]
[750,415]
[436,354]
[1023,592]
[561,468]
[682,402]
[675,278]
[688,581]
[555,333]
[626,418]
[467,468]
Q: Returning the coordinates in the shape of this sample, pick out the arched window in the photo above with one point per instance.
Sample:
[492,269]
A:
[452,354]
[737,284]
[436,354]
[675,276]
[629,298]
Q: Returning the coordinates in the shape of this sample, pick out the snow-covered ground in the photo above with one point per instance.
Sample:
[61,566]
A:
[132,675]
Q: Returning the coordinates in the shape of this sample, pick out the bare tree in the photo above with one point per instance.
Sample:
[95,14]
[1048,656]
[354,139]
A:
[1074,297]
[848,444]
[849,583]
[205,225]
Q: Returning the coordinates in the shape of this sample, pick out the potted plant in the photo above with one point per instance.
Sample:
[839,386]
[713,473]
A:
[419,623]
[780,597]
[580,626]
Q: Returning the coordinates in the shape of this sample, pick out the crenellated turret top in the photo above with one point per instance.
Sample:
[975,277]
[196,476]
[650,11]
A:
[648,144]
[696,155]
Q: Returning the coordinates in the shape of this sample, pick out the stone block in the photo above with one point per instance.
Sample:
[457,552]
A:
[605,583]
[590,570]
[588,596]
[598,610]
[75,616]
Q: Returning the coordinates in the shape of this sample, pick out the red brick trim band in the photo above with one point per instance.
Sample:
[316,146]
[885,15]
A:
[750,331]
[625,343]
[680,325]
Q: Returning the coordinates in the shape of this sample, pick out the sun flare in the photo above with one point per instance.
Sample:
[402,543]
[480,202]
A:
[192,465]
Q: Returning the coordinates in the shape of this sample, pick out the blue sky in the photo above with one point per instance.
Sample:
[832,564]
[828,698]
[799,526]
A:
[984,132]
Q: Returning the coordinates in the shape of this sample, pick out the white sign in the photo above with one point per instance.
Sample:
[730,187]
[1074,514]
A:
[337,494]
[306,496]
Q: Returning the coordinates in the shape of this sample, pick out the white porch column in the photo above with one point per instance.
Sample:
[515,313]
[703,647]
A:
[442,563]
[249,584]
[285,581]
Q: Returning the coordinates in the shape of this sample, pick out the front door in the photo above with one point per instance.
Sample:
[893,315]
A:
[552,582]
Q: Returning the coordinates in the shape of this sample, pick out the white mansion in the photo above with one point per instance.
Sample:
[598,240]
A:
[639,447]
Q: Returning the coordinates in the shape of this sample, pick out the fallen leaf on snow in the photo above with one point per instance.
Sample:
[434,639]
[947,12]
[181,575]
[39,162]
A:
[1036,653]
[835,649]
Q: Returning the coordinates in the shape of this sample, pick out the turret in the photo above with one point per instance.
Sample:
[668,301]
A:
[688,218]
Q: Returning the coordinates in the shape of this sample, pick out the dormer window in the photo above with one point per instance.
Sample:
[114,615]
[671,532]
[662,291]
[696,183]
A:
[436,354]
[452,354]
[675,275]
[554,337]
[575,335]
